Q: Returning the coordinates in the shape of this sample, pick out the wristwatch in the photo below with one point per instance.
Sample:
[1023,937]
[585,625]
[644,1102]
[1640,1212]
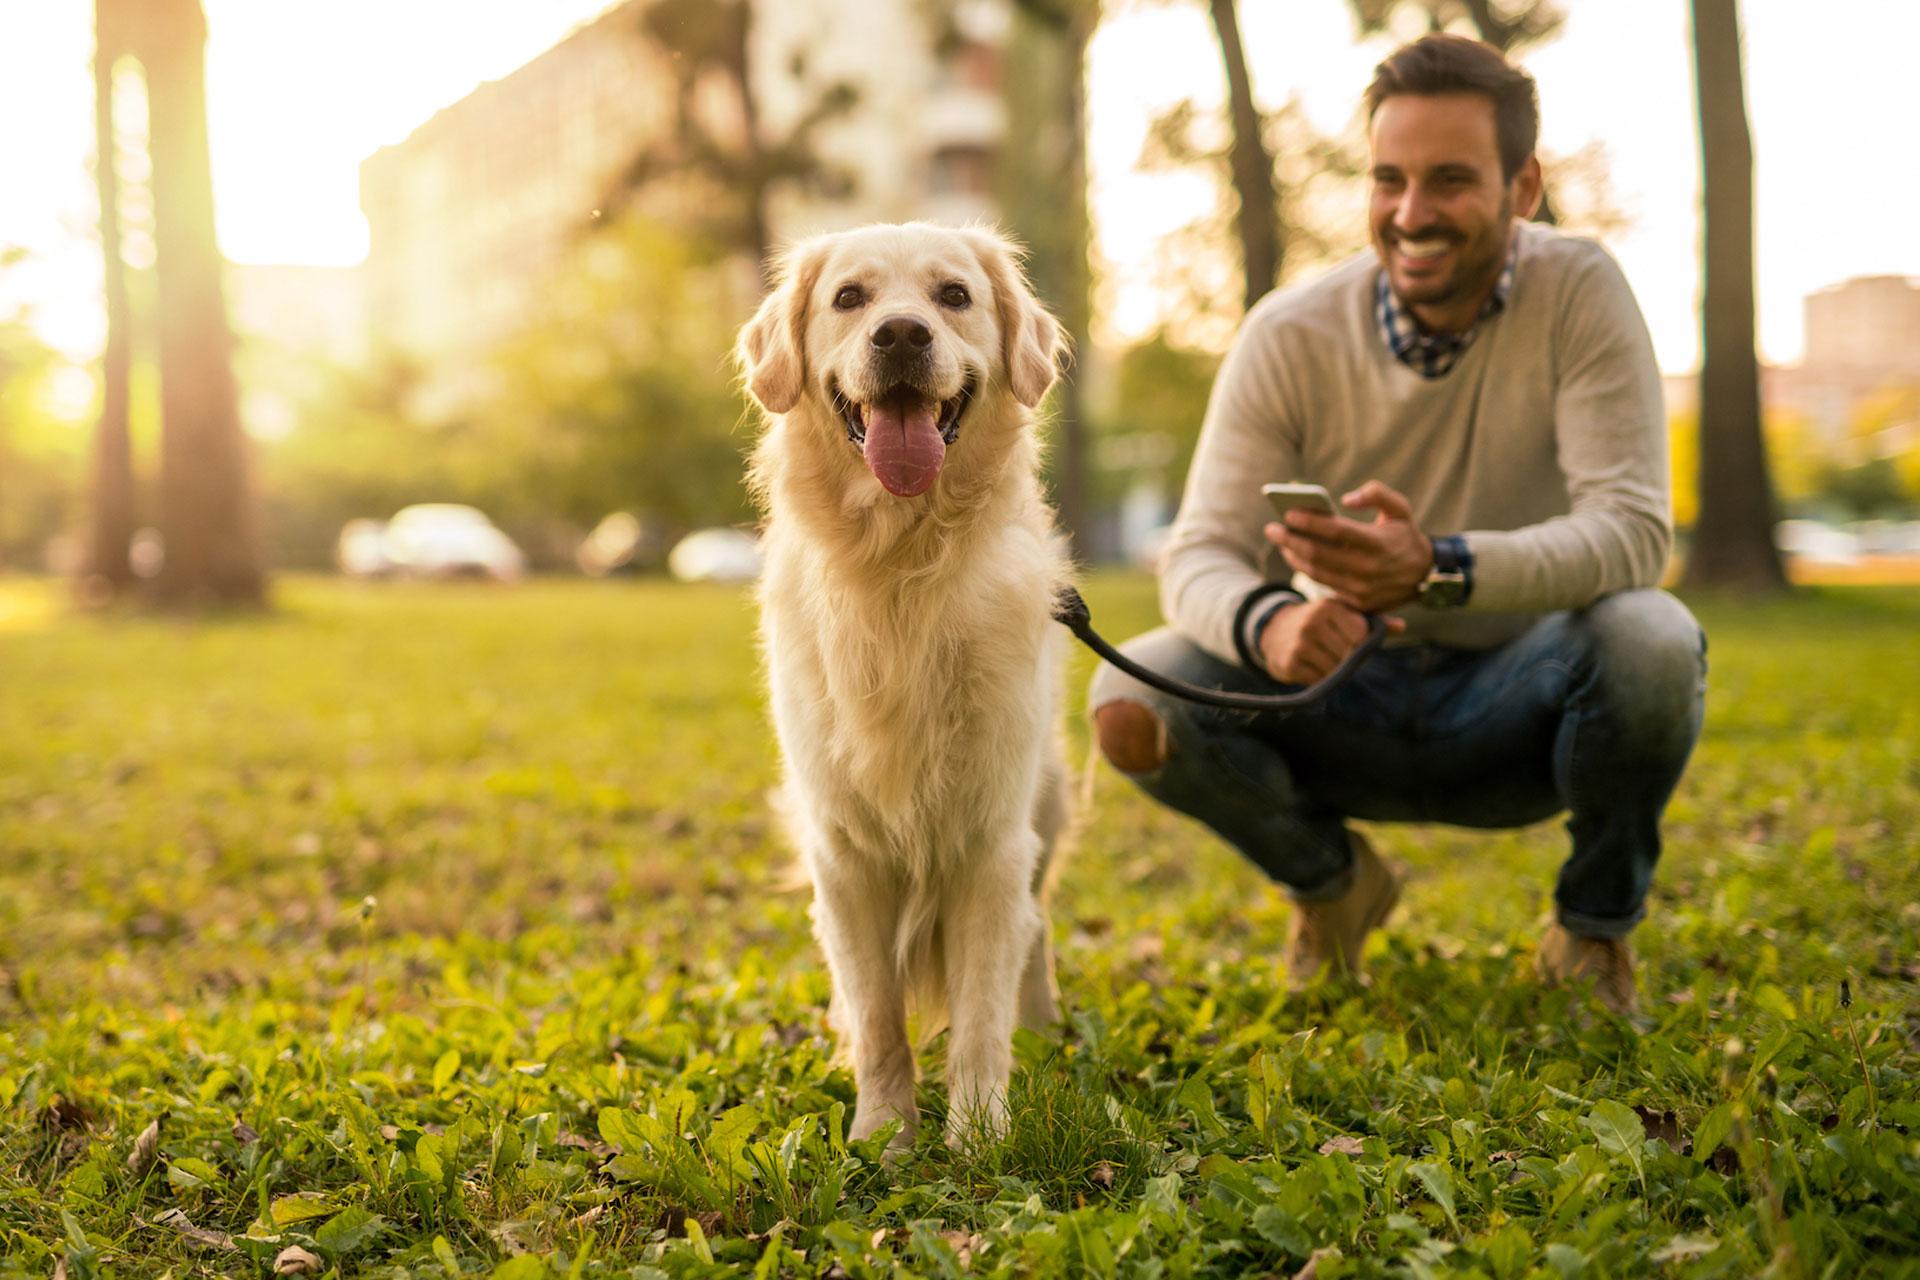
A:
[1450,581]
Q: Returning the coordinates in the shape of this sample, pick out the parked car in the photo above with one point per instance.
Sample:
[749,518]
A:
[1889,537]
[430,540]
[1812,540]
[715,555]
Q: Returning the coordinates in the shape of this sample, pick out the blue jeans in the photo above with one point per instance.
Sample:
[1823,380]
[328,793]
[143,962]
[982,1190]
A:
[1592,712]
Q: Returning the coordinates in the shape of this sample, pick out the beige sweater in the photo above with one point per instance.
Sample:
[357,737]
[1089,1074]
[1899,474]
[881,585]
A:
[1545,445]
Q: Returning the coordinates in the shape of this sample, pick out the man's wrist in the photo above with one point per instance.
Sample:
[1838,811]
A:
[1260,607]
[1449,583]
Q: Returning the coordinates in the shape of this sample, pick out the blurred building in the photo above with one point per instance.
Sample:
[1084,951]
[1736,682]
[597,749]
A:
[1863,339]
[1870,323]
[924,138]
[472,211]
[299,309]
[471,214]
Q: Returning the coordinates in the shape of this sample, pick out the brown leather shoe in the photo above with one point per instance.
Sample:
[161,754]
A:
[1607,962]
[1328,935]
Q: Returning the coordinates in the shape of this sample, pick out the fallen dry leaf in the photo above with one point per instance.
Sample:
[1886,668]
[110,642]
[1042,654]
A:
[295,1261]
[1103,1175]
[1311,1271]
[177,1220]
[1342,1145]
[1665,1126]
[145,1147]
[588,1145]
[964,1246]
[63,1114]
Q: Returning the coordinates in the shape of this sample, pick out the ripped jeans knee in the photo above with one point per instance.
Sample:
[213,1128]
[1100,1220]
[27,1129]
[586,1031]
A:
[1210,765]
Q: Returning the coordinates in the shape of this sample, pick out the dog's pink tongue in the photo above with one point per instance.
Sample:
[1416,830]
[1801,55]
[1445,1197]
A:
[904,449]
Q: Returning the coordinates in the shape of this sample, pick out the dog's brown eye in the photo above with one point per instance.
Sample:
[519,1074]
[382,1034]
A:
[955,296]
[849,297]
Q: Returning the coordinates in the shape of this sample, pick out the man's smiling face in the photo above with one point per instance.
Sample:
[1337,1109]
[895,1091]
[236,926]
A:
[1441,211]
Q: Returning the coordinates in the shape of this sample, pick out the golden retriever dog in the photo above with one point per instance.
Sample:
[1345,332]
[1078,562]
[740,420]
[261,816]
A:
[914,668]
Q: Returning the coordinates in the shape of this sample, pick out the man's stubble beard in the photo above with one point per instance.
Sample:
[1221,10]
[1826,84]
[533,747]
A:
[1473,275]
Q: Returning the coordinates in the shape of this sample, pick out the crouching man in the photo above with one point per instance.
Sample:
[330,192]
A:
[1484,388]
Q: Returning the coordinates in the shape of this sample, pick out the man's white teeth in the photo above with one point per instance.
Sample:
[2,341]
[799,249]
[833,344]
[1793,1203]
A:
[1422,248]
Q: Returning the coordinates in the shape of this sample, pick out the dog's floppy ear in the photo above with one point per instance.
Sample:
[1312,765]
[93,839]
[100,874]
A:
[772,350]
[1031,342]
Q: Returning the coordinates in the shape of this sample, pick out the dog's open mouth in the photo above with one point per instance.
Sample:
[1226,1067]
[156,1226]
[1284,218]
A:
[904,434]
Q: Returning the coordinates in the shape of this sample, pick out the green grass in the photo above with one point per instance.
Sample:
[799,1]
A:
[441,931]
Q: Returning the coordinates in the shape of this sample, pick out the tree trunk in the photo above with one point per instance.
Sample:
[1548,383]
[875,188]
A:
[207,521]
[1043,195]
[1252,167]
[760,198]
[1075,307]
[1733,538]
[109,569]
[112,519]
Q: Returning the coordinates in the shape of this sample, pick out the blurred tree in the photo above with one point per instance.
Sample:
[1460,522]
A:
[1161,390]
[206,517]
[1733,540]
[1798,452]
[39,457]
[1887,425]
[622,398]
[1042,189]
[109,567]
[1198,270]
[1869,490]
[1249,163]
[1683,467]
[721,153]
[360,449]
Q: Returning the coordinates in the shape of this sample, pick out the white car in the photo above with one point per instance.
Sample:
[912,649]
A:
[444,540]
[1813,541]
[715,555]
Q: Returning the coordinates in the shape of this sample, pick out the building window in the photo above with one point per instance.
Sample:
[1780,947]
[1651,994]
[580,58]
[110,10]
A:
[961,170]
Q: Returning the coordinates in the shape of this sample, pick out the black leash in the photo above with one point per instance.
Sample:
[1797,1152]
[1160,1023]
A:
[1071,612]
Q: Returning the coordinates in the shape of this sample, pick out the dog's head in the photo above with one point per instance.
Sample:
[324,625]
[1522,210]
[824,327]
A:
[894,333]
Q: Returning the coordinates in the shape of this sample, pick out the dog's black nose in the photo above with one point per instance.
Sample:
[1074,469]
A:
[899,334]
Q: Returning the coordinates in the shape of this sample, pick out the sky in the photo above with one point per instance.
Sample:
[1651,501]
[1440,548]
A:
[299,93]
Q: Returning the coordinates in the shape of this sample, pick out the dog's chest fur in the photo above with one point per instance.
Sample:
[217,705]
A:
[912,706]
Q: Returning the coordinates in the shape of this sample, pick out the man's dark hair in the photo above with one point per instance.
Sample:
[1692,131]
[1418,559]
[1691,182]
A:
[1439,64]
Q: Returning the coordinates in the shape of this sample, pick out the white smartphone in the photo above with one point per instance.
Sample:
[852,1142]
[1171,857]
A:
[1295,497]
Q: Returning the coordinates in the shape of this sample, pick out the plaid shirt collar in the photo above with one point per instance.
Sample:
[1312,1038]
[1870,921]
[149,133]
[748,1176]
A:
[1433,355]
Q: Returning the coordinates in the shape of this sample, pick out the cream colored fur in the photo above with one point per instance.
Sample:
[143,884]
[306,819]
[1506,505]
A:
[915,671]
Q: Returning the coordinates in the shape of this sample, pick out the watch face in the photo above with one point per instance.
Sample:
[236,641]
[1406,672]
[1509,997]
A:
[1443,590]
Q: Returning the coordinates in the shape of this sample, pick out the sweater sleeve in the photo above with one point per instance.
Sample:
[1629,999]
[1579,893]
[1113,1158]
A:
[1611,439]
[1216,553]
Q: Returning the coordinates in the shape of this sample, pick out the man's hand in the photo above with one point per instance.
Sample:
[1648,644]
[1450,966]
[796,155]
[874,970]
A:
[1304,642]
[1368,566]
